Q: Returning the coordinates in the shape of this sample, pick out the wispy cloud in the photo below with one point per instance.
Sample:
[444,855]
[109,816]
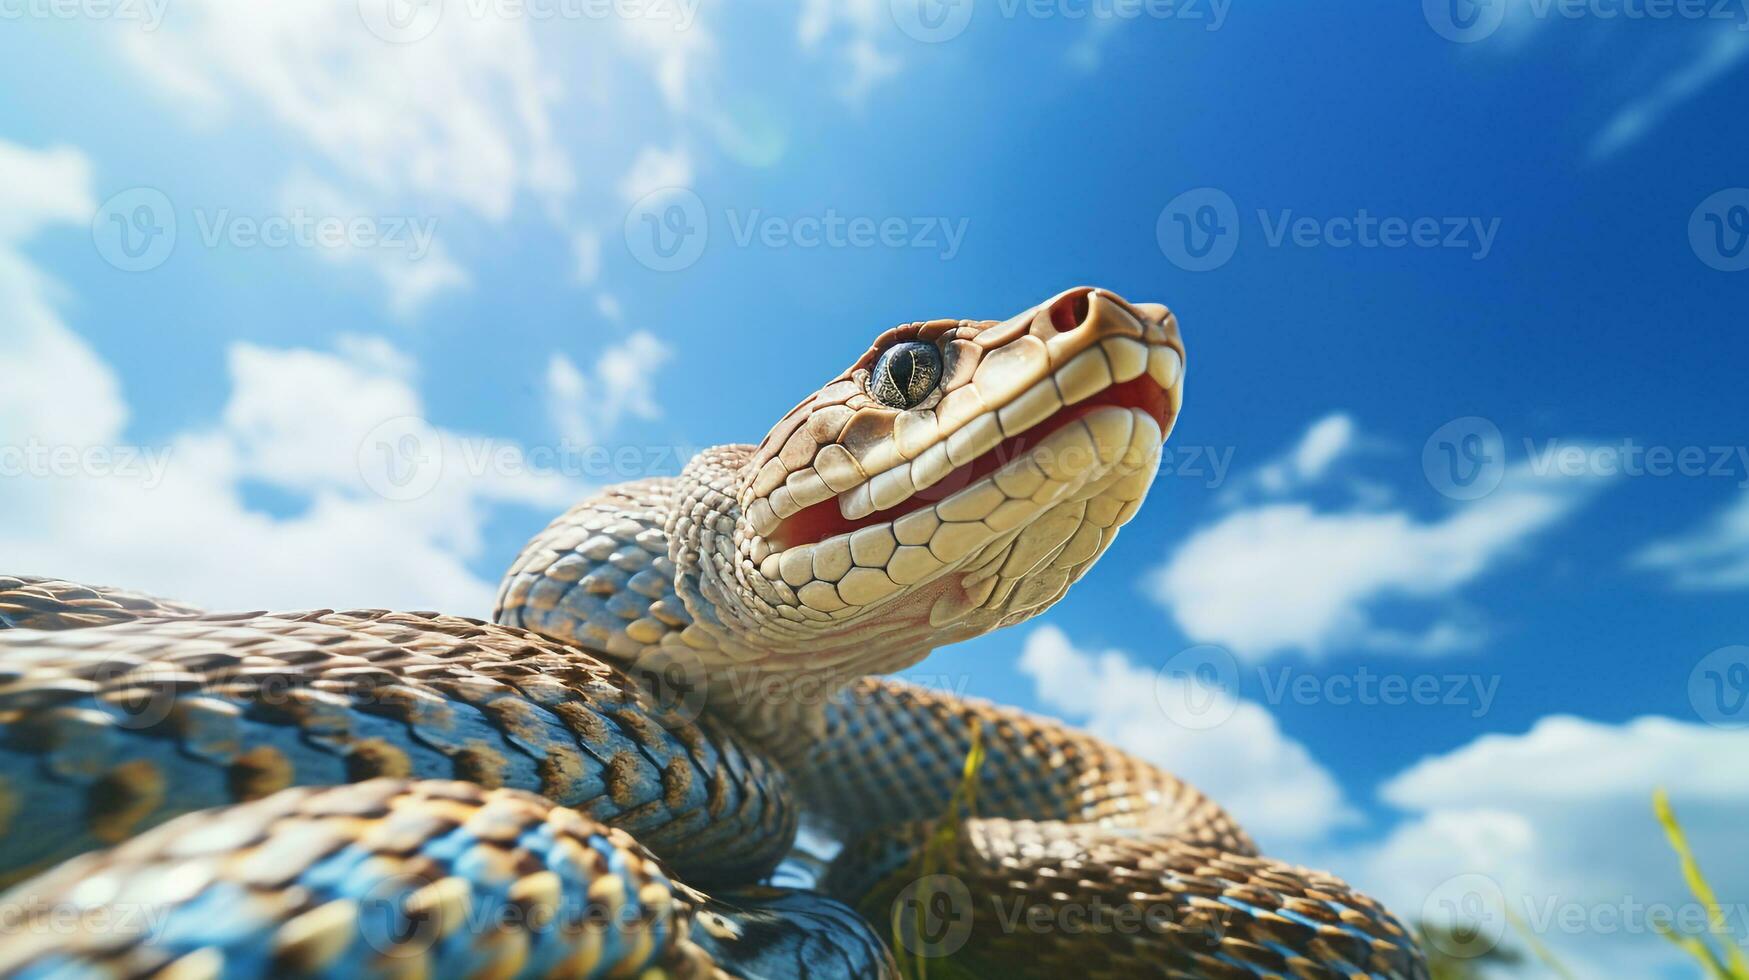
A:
[405,252]
[1268,781]
[656,168]
[1324,443]
[585,407]
[1723,52]
[383,505]
[1285,576]
[1715,556]
[859,35]
[465,114]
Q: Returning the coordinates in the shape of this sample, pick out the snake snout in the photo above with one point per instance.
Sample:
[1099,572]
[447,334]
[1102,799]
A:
[1102,312]
[1070,310]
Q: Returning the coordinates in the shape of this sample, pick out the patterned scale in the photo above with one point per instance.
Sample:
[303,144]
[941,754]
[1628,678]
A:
[133,710]
[1070,836]
[127,725]
[381,878]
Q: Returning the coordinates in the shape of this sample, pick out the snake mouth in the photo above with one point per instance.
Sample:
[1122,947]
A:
[1142,395]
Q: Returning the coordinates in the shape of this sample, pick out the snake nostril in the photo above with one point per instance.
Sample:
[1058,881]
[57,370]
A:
[1069,310]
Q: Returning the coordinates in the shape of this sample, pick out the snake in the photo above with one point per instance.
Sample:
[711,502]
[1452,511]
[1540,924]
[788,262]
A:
[682,677]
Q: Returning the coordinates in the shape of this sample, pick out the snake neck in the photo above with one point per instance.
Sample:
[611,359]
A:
[769,668]
[650,575]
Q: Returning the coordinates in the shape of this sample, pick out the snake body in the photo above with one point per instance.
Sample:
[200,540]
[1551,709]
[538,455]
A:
[679,670]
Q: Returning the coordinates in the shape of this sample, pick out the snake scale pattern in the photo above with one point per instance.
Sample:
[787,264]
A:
[601,782]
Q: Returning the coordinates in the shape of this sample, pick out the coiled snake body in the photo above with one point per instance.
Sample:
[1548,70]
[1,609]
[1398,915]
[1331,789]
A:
[680,669]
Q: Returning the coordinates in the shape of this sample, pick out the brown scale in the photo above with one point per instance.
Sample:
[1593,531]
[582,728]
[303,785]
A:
[305,669]
[266,846]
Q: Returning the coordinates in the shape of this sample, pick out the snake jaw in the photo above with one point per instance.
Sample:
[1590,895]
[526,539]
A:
[982,503]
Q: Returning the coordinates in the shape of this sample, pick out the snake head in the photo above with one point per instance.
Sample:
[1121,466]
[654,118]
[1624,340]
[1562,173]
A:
[961,474]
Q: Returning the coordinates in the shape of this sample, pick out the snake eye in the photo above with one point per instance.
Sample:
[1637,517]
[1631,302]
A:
[905,374]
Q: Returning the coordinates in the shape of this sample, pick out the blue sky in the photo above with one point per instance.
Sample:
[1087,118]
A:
[487,174]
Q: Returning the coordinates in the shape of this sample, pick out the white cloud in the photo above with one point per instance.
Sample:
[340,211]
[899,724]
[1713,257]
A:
[655,169]
[1324,442]
[1723,51]
[41,360]
[402,250]
[853,34]
[679,51]
[375,353]
[298,421]
[1286,576]
[586,252]
[1088,51]
[1554,824]
[463,115]
[1269,782]
[608,306]
[868,66]
[40,187]
[177,518]
[1713,557]
[583,408]
[1680,63]
[1559,819]
[1326,439]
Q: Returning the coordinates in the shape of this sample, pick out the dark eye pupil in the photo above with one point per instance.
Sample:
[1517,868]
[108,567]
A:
[904,364]
[905,374]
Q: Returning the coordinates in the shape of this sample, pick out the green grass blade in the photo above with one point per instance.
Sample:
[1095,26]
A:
[1537,947]
[1698,886]
[961,805]
[1701,952]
